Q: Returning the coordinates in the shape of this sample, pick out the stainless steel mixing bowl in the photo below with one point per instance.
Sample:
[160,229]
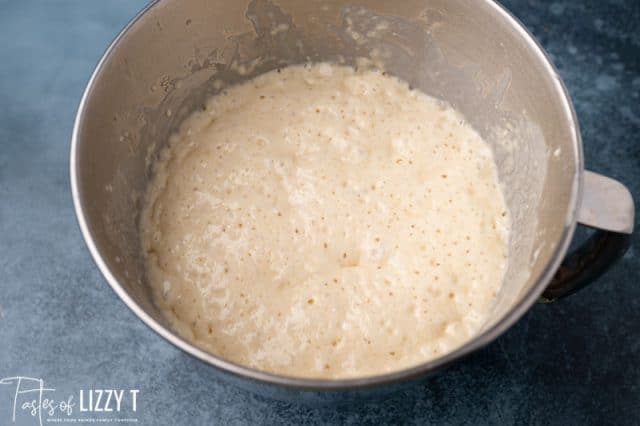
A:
[473,54]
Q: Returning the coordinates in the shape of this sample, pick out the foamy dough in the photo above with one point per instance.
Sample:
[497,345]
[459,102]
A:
[325,222]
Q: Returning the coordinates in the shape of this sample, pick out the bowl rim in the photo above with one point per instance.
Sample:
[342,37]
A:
[421,370]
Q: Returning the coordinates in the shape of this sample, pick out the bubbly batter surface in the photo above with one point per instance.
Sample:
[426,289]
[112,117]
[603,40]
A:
[324,222]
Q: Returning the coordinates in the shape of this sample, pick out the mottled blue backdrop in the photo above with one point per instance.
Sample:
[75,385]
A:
[574,362]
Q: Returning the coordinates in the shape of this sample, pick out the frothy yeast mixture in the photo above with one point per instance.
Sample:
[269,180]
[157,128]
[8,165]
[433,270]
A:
[319,221]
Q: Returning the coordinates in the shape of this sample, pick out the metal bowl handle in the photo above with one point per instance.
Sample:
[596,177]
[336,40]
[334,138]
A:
[607,205]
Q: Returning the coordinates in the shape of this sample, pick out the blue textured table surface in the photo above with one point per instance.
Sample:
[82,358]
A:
[573,362]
